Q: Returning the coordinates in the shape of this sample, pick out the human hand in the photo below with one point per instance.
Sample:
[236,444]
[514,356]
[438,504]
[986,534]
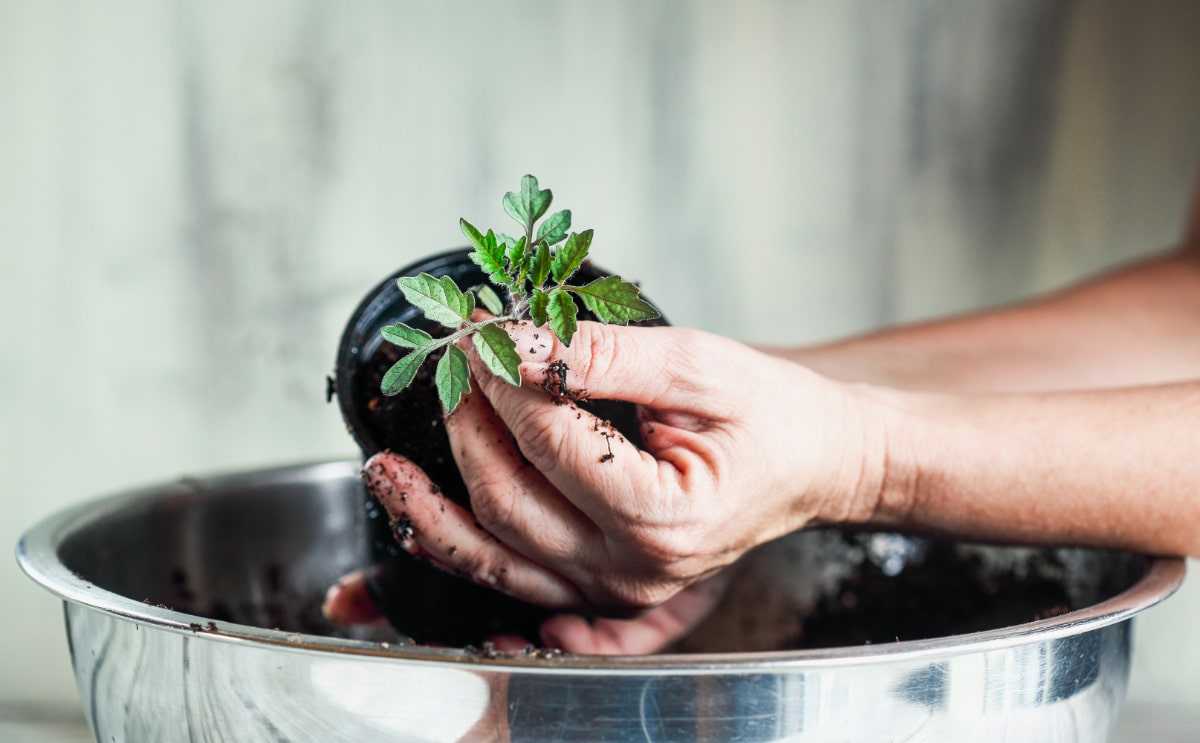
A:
[349,603]
[739,448]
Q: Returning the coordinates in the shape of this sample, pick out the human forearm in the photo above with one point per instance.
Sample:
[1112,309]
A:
[1134,326]
[1115,468]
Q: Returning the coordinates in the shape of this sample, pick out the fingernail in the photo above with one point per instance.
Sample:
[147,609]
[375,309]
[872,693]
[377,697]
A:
[348,602]
[374,476]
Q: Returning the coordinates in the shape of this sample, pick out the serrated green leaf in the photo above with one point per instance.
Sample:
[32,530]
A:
[538,307]
[555,228]
[514,208]
[441,300]
[473,234]
[570,256]
[406,337]
[562,310]
[402,373]
[517,256]
[505,241]
[540,268]
[453,377]
[517,253]
[614,300]
[529,204]
[499,352]
[491,300]
[468,299]
[538,199]
[488,254]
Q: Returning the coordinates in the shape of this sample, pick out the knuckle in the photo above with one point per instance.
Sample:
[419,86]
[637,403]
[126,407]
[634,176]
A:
[664,547]
[540,440]
[492,508]
[484,567]
[492,575]
[601,346]
[490,490]
[689,353]
[634,597]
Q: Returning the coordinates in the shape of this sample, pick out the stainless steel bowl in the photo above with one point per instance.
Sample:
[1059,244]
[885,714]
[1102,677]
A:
[243,653]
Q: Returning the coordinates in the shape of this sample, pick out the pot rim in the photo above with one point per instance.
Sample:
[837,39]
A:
[386,301]
[37,555]
[378,299]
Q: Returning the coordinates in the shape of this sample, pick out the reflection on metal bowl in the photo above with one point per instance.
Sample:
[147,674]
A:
[192,614]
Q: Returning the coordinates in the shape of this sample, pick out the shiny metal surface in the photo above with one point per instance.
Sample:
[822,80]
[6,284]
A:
[237,556]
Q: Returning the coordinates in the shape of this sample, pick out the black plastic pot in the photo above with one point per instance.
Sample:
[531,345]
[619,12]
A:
[421,601]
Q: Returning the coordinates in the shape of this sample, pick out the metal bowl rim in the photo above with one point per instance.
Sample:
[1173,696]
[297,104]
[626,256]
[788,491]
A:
[37,555]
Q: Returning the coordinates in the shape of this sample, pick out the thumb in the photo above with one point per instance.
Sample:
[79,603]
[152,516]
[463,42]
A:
[655,367]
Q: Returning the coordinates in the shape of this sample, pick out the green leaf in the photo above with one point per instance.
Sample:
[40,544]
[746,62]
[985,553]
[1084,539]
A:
[538,303]
[406,337]
[554,229]
[468,299]
[499,352]
[540,268]
[517,256]
[402,373]
[473,234]
[441,300]
[517,253]
[453,377]
[529,204]
[562,311]
[488,254]
[570,256]
[490,299]
[505,241]
[614,300]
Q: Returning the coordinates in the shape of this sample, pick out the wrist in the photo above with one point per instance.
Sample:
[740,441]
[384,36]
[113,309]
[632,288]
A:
[878,482]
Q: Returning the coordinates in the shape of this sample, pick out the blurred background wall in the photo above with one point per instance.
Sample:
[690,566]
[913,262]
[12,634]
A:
[194,195]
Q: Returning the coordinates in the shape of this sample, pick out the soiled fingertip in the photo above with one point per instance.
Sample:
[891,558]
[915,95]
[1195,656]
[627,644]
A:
[348,602]
[535,344]
[391,478]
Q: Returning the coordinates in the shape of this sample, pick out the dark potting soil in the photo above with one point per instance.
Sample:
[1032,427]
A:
[947,593]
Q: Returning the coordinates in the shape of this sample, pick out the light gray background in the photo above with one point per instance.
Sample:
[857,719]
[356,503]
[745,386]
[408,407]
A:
[193,196]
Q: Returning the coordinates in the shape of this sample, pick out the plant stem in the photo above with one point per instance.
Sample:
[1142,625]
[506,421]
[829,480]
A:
[468,328]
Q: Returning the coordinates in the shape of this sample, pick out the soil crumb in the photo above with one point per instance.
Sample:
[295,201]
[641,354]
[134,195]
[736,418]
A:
[555,385]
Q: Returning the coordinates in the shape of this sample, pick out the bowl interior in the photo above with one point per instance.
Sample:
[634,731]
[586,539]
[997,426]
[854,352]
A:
[259,551]
[262,549]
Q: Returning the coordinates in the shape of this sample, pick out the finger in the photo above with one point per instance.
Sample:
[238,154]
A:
[653,367]
[348,602]
[649,633]
[641,636]
[508,643]
[423,517]
[511,498]
[587,460]
[648,366]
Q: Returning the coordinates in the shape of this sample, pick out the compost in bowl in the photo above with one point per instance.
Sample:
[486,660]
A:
[192,613]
